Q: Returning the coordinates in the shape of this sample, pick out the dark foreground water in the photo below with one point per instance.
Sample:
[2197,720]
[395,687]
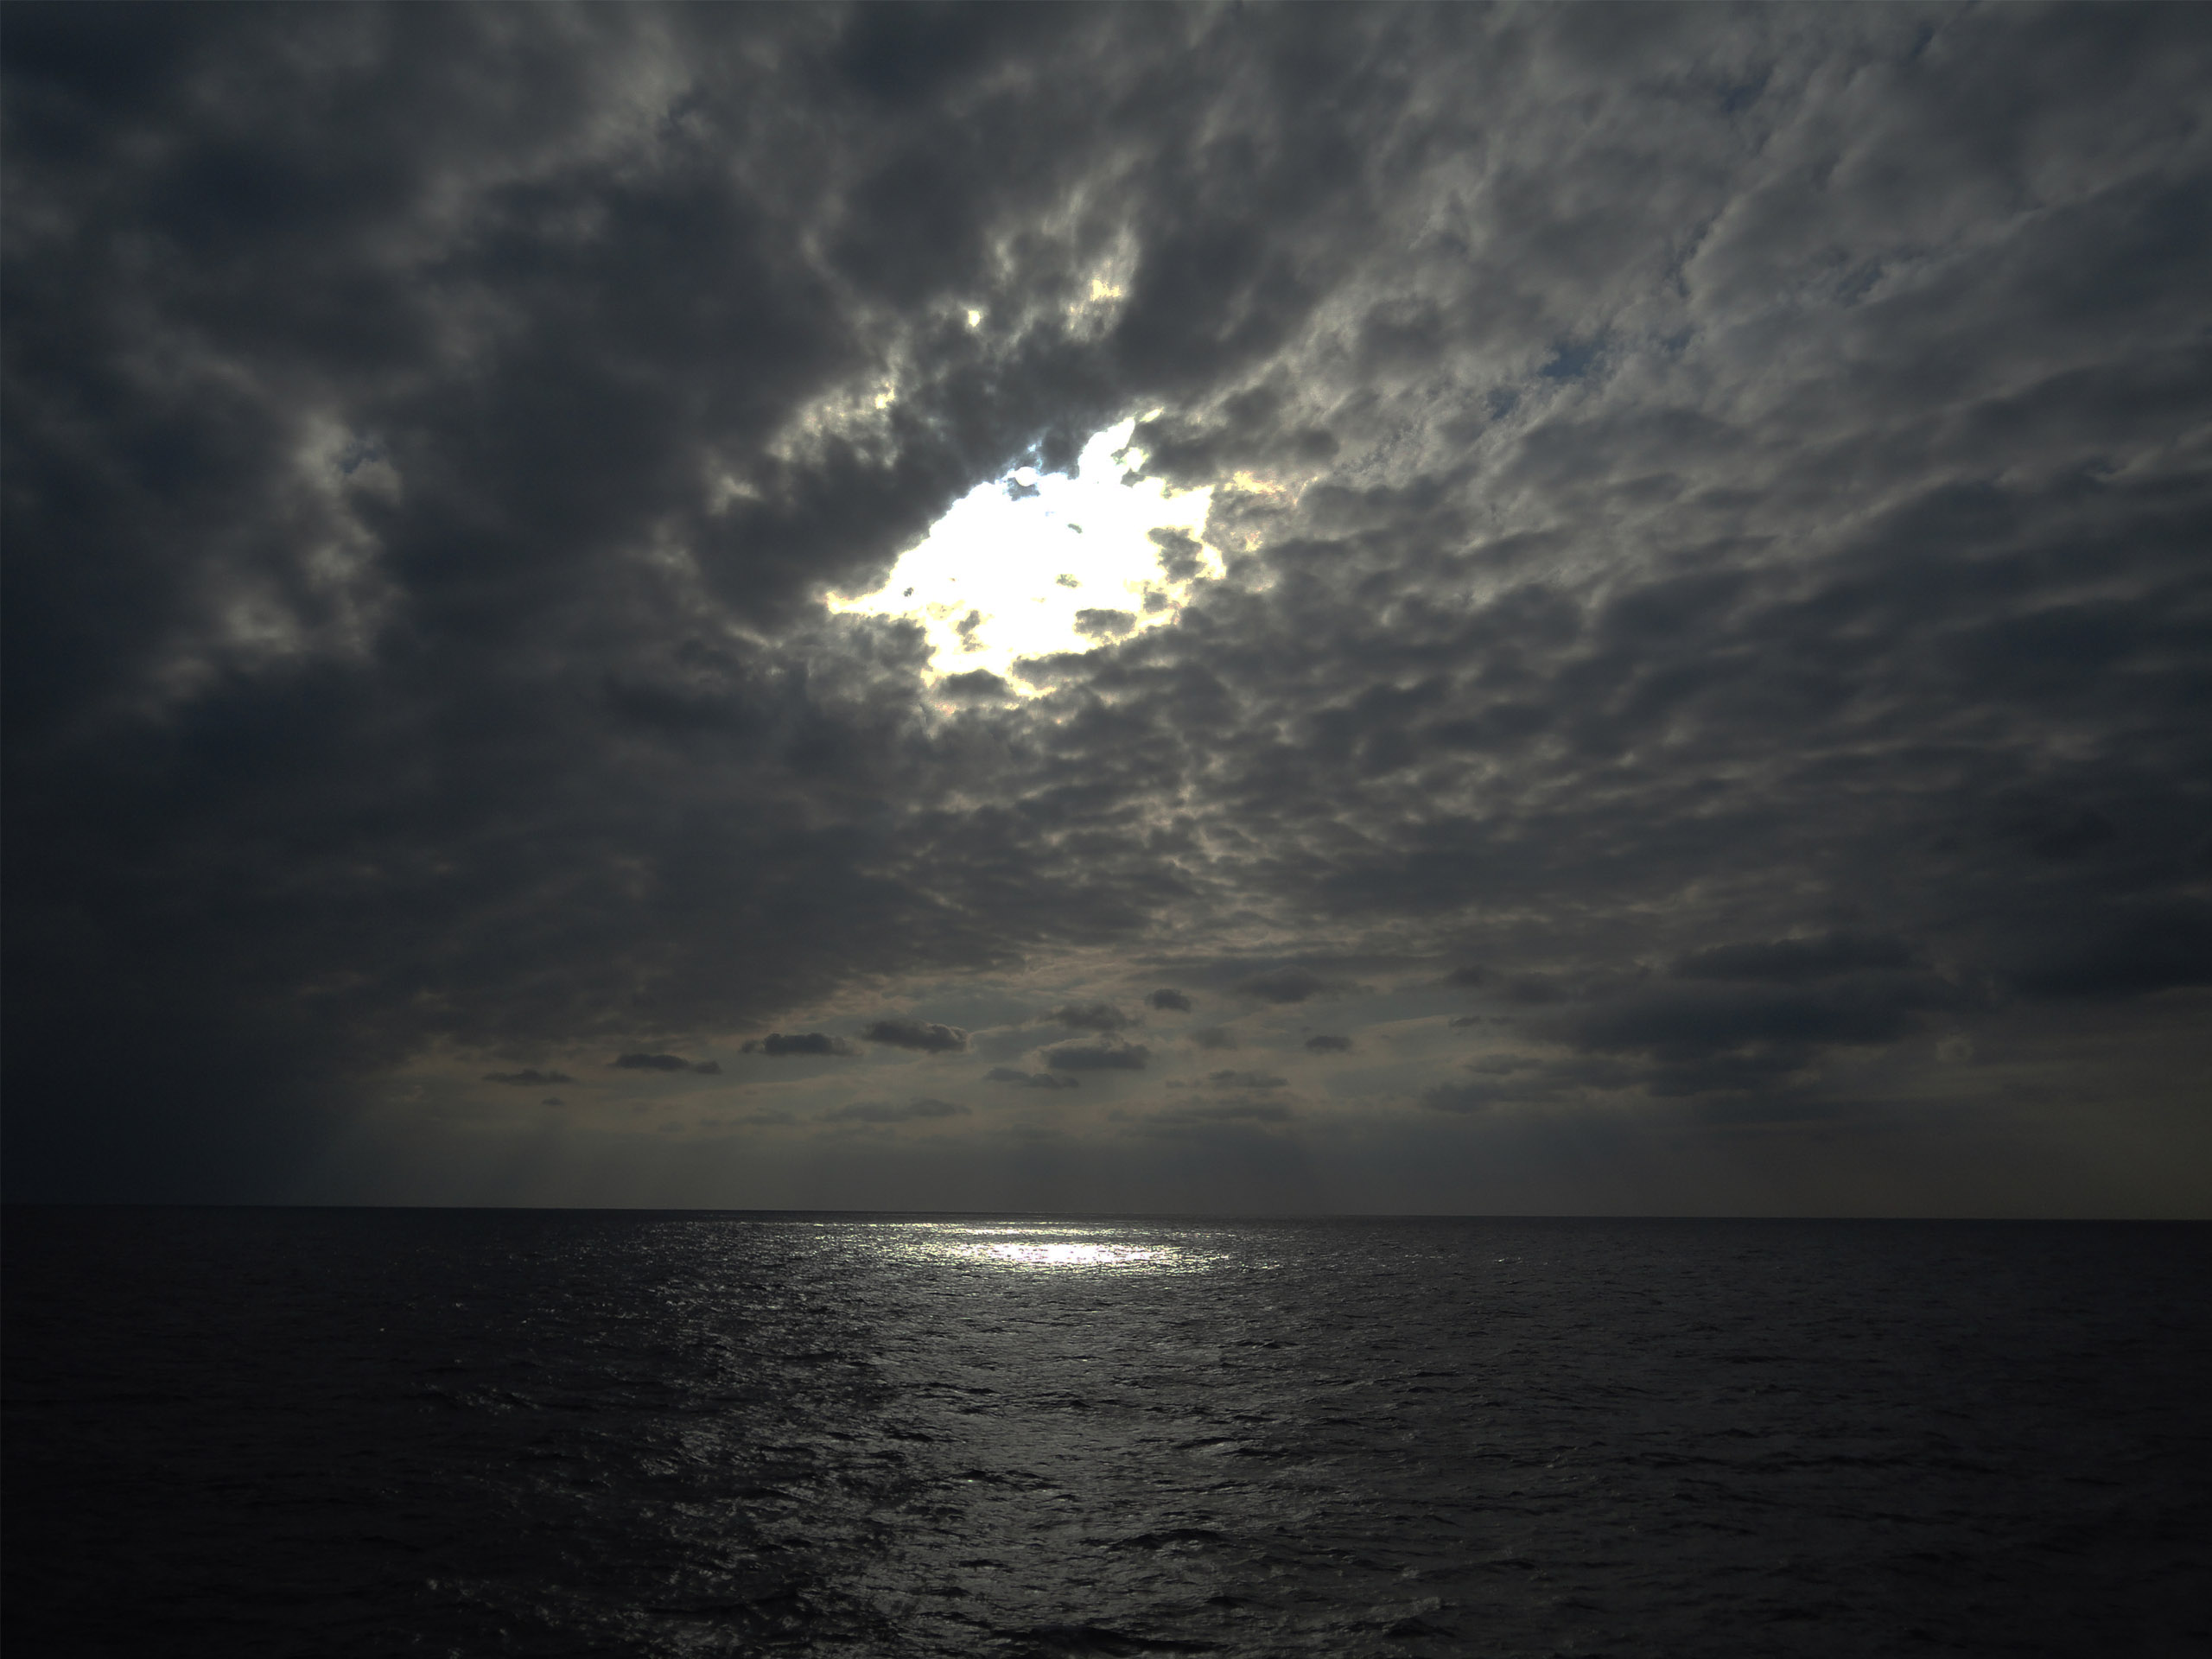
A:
[395,1432]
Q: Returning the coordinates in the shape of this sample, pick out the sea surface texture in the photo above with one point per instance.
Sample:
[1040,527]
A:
[472,1432]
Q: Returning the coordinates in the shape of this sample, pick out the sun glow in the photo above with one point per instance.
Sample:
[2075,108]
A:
[1035,564]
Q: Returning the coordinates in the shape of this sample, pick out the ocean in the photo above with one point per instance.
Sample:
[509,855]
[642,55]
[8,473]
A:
[393,1432]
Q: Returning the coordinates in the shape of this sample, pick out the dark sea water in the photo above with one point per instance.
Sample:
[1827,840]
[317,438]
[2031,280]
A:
[251,1432]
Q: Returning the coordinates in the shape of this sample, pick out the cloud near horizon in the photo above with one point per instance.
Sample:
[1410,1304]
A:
[1693,662]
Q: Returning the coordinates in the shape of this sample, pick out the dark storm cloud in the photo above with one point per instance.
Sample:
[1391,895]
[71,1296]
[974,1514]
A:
[1109,1056]
[1168,999]
[922,1036]
[663,1063]
[528,1078]
[1709,490]
[1794,961]
[1678,1021]
[2127,951]
[876,1111]
[1030,1079]
[775,1045]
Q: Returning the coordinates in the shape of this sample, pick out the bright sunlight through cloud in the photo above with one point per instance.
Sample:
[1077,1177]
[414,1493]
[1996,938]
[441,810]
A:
[1038,562]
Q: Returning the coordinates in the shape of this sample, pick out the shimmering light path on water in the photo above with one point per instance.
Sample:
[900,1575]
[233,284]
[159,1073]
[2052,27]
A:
[382,1433]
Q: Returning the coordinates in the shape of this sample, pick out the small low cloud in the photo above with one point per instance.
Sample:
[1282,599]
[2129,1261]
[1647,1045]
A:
[776,1045]
[1029,1079]
[528,1078]
[884,1111]
[1105,625]
[1285,985]
[922,1037]
[1092,1016]
[1325,1044]
[1098,1056]
[1214,1037]
[977,685]
[1469,975]
[1168,1000]
[663,1063]
[1181,554]
[1245,1080]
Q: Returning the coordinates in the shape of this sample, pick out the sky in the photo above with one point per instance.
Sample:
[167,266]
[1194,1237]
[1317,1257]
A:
[1394,610]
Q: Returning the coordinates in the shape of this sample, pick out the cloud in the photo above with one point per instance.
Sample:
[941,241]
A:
[1092,1016]
[2133,951]
[1325,1044]
[1244,1080]
[1108,1056]
[1105,624]
[528,1077]
[775,1044]
[1691,1020]
[1796,961]
[1030,1079]
[976,685]
[922,1036]
[1721,510]
[876,1111]
[1284,985]
[1168,999]
[663,1063]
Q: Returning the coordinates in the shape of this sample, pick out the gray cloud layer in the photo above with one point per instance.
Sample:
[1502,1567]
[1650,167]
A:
[1713,511]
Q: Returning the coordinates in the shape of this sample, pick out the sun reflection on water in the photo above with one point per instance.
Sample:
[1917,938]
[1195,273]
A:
[1044,1249]
[1067,1256]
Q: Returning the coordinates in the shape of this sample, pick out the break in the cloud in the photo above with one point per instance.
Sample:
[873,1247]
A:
[1661,599]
